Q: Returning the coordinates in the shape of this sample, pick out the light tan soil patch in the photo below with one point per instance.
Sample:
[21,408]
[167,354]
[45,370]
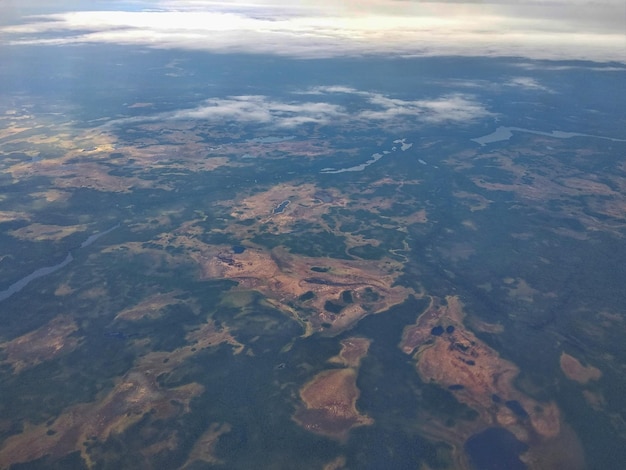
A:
[303,204]
[520,289]
[209,336]
[284,278]
[595,399]
[152,307]
[39,232]
[330,404]
[204,448]
[477,324]
[537,176]
[53,195]
[475,373]
[308,203]
[457,251]
[352,351]
[336,464]
[134,395]
[95,176]
[9,216]
[574,370]
[84,154]
[329,400]
[11,130]
[43,344]
[474,202]
[587,186]
[477,376]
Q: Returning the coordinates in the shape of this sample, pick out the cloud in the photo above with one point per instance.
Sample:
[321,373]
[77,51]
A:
[532,66]
[375,109]
[325,28]
[528,83]
[256,109]
[453,108]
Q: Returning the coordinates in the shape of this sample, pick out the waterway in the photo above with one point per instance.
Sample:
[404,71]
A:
[281,207]
[271,140]
[41,272]
[95,236]
[404,146]
[503,133]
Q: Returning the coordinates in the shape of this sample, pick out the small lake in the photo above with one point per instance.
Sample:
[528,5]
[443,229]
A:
[503,133]
[404,146]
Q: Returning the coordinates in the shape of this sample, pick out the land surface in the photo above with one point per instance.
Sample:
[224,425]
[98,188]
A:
[352,293]
[329,399]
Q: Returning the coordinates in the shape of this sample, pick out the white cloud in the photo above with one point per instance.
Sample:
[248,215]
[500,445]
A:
[532,66]
[453,108]
[376,109]
[320,90]
[528,83]
[255,109]
[324,28]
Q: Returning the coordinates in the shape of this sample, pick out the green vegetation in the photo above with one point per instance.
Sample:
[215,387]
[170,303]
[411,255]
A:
[313,244]
[368,252]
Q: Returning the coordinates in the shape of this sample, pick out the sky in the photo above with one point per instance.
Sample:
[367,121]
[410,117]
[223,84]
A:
[557,29]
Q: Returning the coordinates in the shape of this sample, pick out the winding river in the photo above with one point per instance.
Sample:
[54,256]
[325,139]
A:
[41,272]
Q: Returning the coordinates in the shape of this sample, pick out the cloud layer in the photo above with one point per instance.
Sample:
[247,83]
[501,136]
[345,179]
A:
[575,29]
[376,108]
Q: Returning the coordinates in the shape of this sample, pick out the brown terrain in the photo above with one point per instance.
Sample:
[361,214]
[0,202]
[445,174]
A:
[302,287]
[329,400]
[536,176]
[352,351]
[38,232]
[47,342]
[574,370]
[298,285]
[152,307]
[288,281]
[134,396]
[285,279]
[204,448]
[451,356]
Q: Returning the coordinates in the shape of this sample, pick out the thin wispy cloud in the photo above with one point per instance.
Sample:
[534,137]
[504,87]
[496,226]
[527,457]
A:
[453,108]
[528,83]
[246,109]
[376,109]
[558,30]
